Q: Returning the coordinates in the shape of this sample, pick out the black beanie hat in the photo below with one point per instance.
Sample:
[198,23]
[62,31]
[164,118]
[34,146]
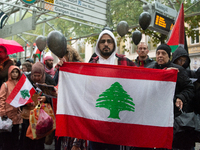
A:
[166,48]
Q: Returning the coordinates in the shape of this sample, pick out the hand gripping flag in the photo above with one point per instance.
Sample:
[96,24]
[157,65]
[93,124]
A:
[177,36]
[114,104]
[22,93]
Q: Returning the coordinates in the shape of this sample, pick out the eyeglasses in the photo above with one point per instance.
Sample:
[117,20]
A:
[109,41]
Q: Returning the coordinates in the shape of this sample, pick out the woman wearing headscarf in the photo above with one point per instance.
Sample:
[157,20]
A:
[37,75]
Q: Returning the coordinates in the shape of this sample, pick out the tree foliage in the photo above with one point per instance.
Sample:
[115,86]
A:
[129,10]
[118,10]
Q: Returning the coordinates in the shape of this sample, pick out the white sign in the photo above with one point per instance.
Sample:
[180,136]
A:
[79,16]
[80,9]
[165,9]
[88,3]
[87,10]
[18,27]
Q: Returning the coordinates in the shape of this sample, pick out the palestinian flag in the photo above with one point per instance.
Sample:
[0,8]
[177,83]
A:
[22,93]
[114,104]
[177,36]
[37,52]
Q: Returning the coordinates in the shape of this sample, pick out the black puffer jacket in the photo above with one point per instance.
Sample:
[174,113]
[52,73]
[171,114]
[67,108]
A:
[184,87]
[179,52]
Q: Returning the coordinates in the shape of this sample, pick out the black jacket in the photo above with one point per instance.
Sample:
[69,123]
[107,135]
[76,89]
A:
[184,87]
[180,51]
[147,62]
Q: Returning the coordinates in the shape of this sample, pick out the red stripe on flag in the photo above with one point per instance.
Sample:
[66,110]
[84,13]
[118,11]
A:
[117,71]
[177,35]
[114,133]
[17,88]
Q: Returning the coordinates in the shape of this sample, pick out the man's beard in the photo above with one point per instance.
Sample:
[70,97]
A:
[107,53]
[49,65]
[143,57]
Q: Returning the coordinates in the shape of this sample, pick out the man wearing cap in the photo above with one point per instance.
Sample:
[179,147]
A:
[48,63]
[184,90]
[184,87]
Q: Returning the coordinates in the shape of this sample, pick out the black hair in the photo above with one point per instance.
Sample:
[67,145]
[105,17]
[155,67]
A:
[28,66]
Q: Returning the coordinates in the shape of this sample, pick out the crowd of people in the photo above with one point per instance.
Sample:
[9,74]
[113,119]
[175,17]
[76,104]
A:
[186,97]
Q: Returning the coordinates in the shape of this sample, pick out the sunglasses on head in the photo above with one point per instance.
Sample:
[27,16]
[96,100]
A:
[109,41]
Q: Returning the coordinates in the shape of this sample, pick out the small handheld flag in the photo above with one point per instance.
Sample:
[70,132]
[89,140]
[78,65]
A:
[22,93]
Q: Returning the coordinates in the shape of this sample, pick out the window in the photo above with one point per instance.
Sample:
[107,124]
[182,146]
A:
[196,38]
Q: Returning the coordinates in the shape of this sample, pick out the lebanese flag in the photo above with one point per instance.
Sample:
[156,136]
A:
[22,93]
[177,36]
[114,104]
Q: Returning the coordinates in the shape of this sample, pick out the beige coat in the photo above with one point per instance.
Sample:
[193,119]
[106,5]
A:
[5,108]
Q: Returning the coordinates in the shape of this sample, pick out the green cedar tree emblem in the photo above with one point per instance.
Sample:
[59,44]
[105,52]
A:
[25,93]
[115,99]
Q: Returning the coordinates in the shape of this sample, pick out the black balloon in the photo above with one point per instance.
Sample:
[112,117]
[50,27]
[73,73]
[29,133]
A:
[136,37]
[57,43]
[41,42]
[122,28]
[144,20]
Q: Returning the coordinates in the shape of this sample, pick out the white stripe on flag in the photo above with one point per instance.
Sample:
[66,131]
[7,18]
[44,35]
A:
[151,99]
[27,86]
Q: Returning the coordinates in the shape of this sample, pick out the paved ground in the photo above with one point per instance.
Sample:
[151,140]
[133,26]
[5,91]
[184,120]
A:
[50,147]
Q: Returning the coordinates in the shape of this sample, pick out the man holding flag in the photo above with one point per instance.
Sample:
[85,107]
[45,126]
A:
[184,90]
[106,50]
[91,110]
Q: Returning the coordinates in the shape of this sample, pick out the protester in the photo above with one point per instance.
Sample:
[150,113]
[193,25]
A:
[5,63]
[106,50]
[181,58]
[48,62]
[71,56]
[18,64]
[26,68]
[184,90]
[143,59]
[196,99]
[10,139]
[37,75]
[14,61]
[30,61]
